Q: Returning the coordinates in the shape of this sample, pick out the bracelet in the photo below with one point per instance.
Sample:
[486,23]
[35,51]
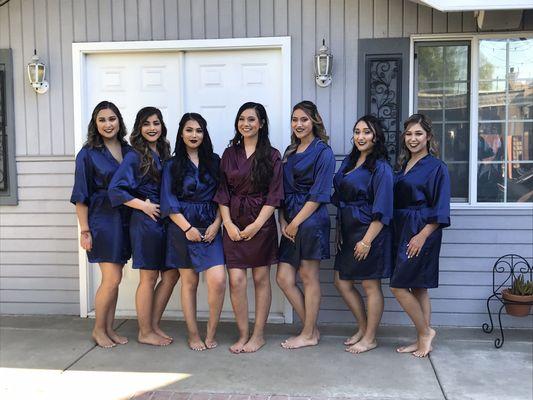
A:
[188,229]
[85,232]
[366,246]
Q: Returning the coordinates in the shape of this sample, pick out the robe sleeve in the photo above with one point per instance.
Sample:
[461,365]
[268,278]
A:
[222,196]
[335,198]
[382,188]
[320,191]
[439,189]
[169,202]
[125,180]
[82,191]
[275,189]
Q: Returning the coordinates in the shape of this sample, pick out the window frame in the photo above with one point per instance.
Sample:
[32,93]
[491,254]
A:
[10,196]
[473,39]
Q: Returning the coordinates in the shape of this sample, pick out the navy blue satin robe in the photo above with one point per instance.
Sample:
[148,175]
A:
[147,236]
[308,176]
[421,196]
[196,205]
[363,196]
[109,226]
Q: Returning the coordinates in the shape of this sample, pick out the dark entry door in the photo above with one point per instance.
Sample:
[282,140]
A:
[384,85]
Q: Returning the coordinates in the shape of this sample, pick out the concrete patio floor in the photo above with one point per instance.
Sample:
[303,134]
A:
[52,357]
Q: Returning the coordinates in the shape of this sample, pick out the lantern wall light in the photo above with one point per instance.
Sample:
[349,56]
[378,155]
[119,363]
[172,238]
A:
[36,74]
[323,66]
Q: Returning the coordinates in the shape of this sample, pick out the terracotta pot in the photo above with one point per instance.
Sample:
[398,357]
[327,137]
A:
[513,306]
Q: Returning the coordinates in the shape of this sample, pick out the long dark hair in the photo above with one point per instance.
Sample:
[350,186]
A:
[432,145]
[262,168]
[379,151]
[94,139]
[137,141]
[319,130]
[205,154]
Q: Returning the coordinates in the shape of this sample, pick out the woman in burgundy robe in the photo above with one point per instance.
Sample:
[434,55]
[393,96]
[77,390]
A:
[250,189]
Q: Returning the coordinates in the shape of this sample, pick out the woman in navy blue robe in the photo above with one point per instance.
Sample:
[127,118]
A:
[308,167]
[363,196]
[103,229]
[137,185]
[194,240]
[421,211]
[250,189]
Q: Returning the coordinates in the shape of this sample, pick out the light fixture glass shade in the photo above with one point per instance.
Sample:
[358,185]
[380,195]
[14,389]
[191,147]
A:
[36,74]
[323,66]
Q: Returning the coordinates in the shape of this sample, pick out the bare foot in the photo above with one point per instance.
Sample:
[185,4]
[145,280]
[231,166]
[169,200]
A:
[210,343]
[424,344]
[196,344]
[238,346]
[362,346]
[115,337]
[355,338]
[300,341]
[282,344]
[408,349]
[103,340]
[154,339]
[159,332]
[254,344]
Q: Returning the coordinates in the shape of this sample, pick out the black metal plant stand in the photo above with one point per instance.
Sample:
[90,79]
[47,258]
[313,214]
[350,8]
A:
[504,272]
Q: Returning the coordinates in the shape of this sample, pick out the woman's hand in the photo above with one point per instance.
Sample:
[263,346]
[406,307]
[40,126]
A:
[415,245]
[233,232]
[361,250]
[86,240]
[151,209]
[193,235]
[211,232]
[290,231]
[250,231]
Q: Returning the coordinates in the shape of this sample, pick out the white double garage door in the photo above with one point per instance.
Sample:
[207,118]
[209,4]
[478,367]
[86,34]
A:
[213,83]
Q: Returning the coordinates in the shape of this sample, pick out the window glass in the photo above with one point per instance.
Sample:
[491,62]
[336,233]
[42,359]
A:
[443,94]
[505,129]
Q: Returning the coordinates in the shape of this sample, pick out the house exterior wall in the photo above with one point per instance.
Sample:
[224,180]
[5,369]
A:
[39,251]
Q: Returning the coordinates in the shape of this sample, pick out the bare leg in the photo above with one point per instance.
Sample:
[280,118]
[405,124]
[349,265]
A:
[103,303]
[422,296]
[110,320]
[413,308]
[286,280]
[216,288]
[189,287]
[309,335]
[144,299]
[162,294]
[355,303]
[375,303]
[239,302]
[263,300]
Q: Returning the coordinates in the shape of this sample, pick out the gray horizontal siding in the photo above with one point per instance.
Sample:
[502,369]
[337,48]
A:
[38,254]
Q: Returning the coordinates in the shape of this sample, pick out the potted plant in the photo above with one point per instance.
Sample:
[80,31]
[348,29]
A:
[518,298]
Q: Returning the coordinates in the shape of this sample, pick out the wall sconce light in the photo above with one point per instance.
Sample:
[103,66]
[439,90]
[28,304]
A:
[323,66]
[36,74]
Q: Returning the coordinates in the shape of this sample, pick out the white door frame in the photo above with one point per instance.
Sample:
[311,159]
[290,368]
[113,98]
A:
[80,51]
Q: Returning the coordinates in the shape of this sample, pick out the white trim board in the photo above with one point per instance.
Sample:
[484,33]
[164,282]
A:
[79,54]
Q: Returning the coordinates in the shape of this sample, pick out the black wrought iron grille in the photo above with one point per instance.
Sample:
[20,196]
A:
[384,98]
[3,138]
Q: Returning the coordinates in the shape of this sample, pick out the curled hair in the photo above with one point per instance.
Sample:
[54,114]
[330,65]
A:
[379,150]
[262,167]
[138,142]
[206,164]
[432,145]
[319,130]
[94,139]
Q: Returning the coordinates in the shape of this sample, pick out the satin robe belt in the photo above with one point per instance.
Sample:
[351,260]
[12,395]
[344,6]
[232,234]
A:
[356,203]
[415,207]
[99,197]
[245,207]
[293,203]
